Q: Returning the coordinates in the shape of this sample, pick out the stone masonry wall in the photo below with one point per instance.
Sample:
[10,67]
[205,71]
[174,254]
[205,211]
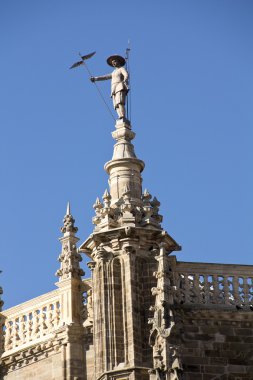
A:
[216,345]
[48,368]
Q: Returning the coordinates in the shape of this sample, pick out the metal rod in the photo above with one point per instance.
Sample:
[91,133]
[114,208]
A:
[129,76]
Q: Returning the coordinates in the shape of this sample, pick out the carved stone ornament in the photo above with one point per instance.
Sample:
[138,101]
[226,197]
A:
[69,257]
[126,211]
[166,359]
[68,222]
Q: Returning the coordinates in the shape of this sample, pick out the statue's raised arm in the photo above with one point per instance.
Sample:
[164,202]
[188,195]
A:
[119,83]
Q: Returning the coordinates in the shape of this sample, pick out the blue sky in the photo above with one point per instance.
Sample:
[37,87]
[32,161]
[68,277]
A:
[191,79]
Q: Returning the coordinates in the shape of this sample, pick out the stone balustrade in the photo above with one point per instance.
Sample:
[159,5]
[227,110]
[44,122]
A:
[213,284]
[31,321]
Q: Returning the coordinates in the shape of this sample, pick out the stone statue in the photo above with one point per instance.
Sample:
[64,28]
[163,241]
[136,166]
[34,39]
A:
[119,83]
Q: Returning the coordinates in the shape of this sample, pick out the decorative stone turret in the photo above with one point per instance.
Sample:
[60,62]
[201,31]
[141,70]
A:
[70,281]
[71,290]
[69,257]
[127,232]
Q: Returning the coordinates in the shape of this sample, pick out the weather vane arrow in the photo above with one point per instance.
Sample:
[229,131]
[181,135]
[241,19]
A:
[83,63]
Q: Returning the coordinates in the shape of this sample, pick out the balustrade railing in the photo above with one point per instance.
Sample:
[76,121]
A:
[31,320]
[213,284]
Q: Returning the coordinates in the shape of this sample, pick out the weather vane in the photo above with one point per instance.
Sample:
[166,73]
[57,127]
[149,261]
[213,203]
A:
[119,82]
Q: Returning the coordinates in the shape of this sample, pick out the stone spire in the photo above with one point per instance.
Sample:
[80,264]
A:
[69,257]
[71,298]
[124,204]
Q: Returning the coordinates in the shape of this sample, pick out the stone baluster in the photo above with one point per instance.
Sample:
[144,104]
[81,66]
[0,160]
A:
[50,320]
[56,315]
[206,289]
[22,329]
[192,294]
[197,291]
[8,340]
[236,294]
[226,290]
[187,289]
[181,286]
[251,290]
[35,324]
[230,289]
[211,288]
[216,292]
[16,338]
[220,289]
[42,323]
[29,326]
[245,290]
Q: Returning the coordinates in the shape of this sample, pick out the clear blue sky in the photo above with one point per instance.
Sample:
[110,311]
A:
[191,72]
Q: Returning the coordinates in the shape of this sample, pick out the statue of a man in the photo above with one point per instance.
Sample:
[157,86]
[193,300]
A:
[119,83]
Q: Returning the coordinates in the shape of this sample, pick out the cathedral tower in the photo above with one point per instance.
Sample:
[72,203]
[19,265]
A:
[123,248]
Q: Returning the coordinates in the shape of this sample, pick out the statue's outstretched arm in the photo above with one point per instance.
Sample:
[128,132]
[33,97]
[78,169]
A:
[102,77]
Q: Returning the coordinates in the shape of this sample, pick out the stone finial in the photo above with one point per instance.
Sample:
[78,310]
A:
[97,205]
[70,257]
[107,199]
[106,195]
[146,196]
[68,222]
[68,209]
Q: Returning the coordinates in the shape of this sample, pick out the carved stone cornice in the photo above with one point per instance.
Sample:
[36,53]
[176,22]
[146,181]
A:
[145,237]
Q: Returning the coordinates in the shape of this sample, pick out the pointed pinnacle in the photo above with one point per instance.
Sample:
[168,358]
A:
[106,195]
[97,204]
[155,202]
[147,194]
[68,209]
